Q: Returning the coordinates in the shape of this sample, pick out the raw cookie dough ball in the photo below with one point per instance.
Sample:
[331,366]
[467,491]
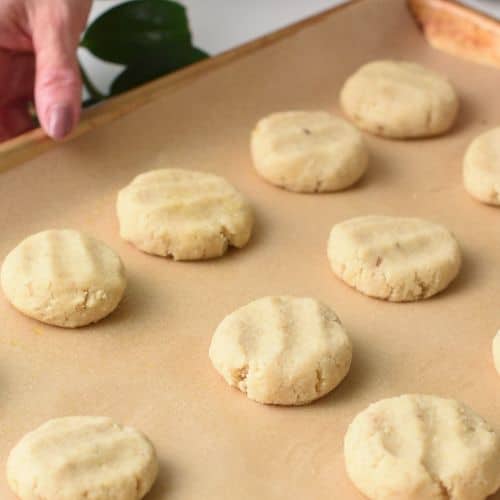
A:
[482,167]
[63,278]
[282,350]
[308,151]
[398,99]
[394,258]
[184,214]
[417,447]
[496,351]
[82,458]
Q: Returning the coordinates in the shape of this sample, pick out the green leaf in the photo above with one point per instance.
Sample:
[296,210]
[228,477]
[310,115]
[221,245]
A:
[125,33]
[154,66]
[91,101]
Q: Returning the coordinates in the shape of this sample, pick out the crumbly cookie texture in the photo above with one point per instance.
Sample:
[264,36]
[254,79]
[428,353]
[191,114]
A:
[63,278]
[394,258]
[496,351]
[482,167]
[282,350]
[308,151]
[421,447]
[183,214]
[399,99]
[82,458]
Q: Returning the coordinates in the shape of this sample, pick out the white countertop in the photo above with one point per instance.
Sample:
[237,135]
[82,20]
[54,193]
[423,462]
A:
[218,25]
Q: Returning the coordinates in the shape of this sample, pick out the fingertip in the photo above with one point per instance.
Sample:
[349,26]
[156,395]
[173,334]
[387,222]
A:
[60,121]
[57,95]
[57,80]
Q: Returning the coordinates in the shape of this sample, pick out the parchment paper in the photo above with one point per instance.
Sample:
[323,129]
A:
[147,364]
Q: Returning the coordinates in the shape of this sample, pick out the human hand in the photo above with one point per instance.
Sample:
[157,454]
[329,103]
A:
[38,42]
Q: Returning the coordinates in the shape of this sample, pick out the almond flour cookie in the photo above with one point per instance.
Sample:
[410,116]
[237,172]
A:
[63,278]
[394,258]
[482,167]
[398,99]
[82,458]
[308,151]
[282,350]
[496,351]
[184,214]
[416,447]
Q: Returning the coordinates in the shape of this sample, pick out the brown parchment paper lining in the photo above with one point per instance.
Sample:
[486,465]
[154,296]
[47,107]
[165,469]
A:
[147,364]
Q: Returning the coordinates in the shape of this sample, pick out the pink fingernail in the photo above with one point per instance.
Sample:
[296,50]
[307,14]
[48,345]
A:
[60,121]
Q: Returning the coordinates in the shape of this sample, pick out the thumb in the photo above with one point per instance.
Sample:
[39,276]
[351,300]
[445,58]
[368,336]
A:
[57,80]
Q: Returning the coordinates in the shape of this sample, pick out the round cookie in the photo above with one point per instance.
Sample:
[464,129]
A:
[496,351]
[482,167]
[398,99]
[63,278]
[417,447]
[308,151]
[282,350]
[80,458]
[184,214]
[394,258]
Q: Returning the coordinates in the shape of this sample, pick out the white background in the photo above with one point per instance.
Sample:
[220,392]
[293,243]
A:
[218,25]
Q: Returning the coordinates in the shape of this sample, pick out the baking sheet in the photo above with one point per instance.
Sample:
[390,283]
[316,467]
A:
[147,364]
